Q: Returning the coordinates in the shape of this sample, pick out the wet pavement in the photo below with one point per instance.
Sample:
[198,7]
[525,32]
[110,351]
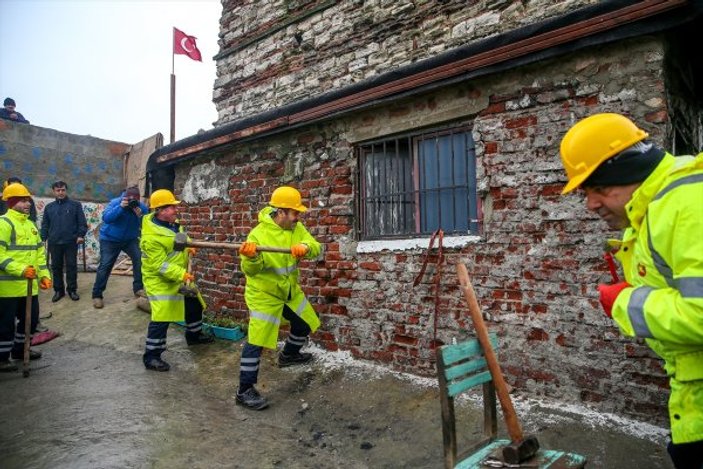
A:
[89,403]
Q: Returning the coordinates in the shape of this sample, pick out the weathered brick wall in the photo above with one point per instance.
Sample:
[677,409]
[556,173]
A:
[535,269]
[347,42]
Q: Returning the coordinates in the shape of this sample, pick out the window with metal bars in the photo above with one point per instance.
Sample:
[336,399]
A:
[412,185]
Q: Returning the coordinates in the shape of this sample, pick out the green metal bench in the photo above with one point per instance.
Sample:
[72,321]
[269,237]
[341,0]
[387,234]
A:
[461,367]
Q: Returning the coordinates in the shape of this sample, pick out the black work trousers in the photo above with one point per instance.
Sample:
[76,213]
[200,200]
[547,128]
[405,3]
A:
[12,309]
[156,332]
[69,253]
[686,455]
[251,354]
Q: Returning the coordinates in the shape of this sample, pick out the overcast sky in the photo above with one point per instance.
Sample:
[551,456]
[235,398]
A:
[102,67]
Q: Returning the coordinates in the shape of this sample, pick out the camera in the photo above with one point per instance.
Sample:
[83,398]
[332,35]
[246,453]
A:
[133,203]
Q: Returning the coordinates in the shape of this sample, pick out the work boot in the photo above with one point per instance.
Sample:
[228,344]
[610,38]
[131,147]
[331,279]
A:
[199,338]
[156,364]
[57,296]
[74,296]
[140,293]
[98,303]
[33,355]
[6,366]
[251,399]
[297,358]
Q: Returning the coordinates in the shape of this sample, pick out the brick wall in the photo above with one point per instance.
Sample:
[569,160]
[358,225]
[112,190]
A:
[346,42]
[535,268]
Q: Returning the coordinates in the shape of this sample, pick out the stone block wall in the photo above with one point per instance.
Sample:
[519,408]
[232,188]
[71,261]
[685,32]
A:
[535,267]
[268,59]
[92,167]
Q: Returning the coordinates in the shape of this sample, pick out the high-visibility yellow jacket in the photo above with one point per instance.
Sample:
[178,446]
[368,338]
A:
[272,280]
[20,247]
[662,257]
[162,271]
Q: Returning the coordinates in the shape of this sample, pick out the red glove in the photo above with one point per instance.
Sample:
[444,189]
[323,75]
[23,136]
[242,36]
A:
[248,249]
[299,250]
[45,283]
[187,277]
[608,295]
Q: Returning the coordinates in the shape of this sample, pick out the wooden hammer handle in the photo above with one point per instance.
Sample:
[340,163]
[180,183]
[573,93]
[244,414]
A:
[235,246]
[506,403]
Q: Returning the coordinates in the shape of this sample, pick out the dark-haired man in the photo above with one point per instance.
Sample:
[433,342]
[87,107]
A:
[64,227]
[8,112]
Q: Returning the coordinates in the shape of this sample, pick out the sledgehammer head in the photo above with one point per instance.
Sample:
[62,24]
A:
[515,453]
[181,242]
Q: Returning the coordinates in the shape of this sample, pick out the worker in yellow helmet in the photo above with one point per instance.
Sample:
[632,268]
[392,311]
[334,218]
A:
[22,257]
[657,199]
[165,272]
[272,292]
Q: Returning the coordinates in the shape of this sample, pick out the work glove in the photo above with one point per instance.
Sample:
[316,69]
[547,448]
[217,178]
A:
[608,295]
[45,283]
[191,251]
[248,249]
[188,277]
[299,250]
[29,272]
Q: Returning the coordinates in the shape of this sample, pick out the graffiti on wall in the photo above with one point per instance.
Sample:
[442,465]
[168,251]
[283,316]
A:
[93,215]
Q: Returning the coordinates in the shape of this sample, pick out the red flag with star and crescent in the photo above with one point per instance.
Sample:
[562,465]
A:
[184,44]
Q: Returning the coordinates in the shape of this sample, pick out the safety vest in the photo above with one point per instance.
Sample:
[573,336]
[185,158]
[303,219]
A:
[662,257]
[272,280]
[162,271]
[20,247]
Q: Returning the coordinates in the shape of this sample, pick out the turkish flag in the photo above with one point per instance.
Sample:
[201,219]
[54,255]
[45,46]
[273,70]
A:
[184,44]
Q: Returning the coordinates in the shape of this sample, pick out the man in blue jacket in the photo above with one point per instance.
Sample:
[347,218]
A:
[120,233]
[63,225]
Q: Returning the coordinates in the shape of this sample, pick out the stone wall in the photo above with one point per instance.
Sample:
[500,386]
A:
[535,266]
[92,167]
[269,59]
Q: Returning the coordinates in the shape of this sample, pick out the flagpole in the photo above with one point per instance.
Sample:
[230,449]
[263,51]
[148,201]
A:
[173,90]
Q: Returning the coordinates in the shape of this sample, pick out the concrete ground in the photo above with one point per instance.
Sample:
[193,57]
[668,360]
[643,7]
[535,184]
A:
[89,403]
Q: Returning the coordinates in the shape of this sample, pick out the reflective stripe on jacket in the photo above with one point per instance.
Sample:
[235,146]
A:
[162,271]
[662,257]
[272,280]
[20,247]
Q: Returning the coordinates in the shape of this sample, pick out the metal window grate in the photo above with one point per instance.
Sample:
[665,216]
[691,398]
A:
[413,185]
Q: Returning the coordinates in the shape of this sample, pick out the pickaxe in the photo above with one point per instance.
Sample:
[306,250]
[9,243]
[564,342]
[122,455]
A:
[520,447]
[182,242]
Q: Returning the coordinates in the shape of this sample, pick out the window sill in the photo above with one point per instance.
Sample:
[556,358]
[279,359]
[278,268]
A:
[413,243]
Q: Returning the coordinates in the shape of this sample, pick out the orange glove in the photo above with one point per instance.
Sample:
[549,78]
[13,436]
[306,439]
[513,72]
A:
[191,251]
[45,283]
[188,277]
[608,295]
[299,250]
[29,272]
[248,249]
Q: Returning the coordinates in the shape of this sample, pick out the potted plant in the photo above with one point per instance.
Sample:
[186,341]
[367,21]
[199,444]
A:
[224,327]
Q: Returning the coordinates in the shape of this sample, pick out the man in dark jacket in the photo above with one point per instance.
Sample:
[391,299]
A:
[64,227]
[3,205]
[8,112]
[119,232]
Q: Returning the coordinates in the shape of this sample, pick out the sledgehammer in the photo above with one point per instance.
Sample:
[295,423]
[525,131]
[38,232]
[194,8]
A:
[182,242]
[521,447]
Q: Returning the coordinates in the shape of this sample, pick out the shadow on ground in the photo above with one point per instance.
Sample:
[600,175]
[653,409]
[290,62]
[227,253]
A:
[89,403]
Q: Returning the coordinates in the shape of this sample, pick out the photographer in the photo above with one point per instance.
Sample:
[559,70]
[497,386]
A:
[119,232]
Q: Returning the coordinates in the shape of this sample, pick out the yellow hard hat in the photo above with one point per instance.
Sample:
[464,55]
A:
[161,198]
[15,190]
[287,197]
[592,141]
